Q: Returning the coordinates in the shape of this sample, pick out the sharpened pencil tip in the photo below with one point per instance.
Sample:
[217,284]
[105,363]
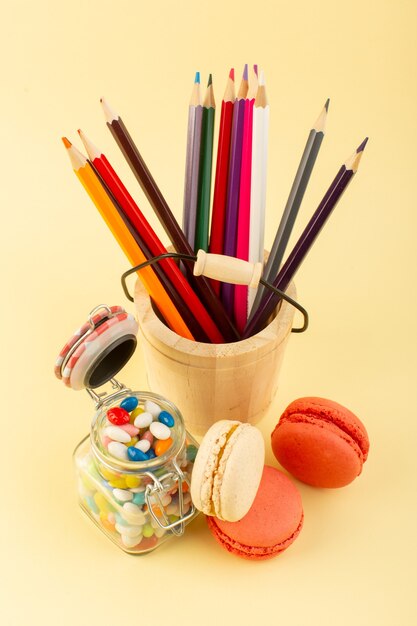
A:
[245,72]
[255,69]
[197,77]
[232,73]
[210,80]
[66,142]
[363,144]
[326,106]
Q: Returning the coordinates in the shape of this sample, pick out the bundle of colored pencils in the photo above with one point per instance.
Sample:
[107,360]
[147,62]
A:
[239,198]
[193,306]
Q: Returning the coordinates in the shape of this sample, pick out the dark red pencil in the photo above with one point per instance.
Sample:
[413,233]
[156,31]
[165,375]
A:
[222,172]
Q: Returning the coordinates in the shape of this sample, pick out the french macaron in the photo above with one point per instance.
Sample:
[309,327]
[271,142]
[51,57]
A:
[228,469]
[272,523]
[320,442]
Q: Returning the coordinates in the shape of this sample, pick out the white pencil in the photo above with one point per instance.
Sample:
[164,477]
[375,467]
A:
[258,183]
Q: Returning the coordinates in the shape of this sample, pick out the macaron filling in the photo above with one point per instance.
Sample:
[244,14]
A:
[210,504]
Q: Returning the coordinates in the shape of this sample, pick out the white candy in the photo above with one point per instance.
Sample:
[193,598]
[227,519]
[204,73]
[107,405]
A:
[143,445]
[133,514]
[152,408]
[143,420]
[129,531]
[138,489]
[165,500]
[122,495]
[118,450]
[131,542]
[159,532]
[160,431]
[117,434]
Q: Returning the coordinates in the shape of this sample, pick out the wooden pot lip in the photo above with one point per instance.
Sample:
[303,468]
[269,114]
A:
[167,341]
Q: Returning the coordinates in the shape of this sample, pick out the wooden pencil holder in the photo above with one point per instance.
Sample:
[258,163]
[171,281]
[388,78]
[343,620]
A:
[210,382]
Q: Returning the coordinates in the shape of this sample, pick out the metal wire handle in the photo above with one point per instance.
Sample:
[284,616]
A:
[189,257]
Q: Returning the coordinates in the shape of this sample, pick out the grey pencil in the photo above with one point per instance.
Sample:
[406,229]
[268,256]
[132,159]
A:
[195,112]
[295,198]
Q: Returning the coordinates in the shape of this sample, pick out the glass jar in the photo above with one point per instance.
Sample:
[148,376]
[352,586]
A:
[137,492]
[138,505]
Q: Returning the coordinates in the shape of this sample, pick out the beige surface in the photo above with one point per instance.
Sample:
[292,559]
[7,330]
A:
[354,562]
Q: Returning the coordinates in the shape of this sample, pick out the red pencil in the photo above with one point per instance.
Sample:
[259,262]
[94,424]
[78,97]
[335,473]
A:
[222,171]
[154,244]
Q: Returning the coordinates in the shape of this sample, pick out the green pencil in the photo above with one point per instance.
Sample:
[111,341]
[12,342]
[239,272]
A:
[204,176]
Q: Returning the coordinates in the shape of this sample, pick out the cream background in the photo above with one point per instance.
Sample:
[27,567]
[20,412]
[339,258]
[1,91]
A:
[354,562]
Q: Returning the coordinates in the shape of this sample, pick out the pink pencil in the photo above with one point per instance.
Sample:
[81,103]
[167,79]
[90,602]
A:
[242,248]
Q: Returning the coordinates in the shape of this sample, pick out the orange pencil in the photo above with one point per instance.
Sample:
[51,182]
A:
[99,196]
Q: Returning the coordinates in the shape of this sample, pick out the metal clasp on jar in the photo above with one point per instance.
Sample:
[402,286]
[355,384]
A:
[157,489]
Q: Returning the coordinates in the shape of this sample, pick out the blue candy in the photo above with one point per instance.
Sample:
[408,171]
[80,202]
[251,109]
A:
[151,453]
[129,404]
[139,498]
[166,418]
[135,454]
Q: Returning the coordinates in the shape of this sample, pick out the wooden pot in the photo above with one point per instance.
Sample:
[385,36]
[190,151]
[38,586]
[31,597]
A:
[210,382]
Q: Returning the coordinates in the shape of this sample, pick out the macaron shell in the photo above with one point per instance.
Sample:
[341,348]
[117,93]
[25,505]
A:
[331,411]
[317,453]
[272,523]
[320,442]
[206,462]
[238,474]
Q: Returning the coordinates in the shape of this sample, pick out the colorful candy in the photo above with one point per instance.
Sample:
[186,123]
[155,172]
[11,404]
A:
[129,404]
[143,429]
[118,415]
[124,501]
[159,431]
[166,418]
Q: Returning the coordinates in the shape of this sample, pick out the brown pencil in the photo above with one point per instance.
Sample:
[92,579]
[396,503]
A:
[167,219]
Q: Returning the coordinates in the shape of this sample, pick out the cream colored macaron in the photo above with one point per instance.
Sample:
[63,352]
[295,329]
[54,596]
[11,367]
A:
[227,470]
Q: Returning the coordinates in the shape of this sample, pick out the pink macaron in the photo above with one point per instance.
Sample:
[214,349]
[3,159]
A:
[320,442]
[272,524]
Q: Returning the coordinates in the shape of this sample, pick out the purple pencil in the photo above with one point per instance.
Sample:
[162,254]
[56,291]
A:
[305,242]
[233,184]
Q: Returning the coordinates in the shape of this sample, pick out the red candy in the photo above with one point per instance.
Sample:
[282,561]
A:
[118,416]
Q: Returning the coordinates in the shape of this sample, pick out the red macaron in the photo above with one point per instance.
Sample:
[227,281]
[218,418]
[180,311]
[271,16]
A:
[272,523]
[320,442]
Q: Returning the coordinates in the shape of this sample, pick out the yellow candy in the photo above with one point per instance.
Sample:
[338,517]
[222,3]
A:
[132,481]
[135,413]
[101,502]
[107,474]
[105,522]
[119,483]
[133,441]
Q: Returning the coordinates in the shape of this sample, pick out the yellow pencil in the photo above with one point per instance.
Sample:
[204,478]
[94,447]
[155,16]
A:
[99,196]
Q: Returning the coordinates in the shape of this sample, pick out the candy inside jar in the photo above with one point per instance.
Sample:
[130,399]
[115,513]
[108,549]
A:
[137,500]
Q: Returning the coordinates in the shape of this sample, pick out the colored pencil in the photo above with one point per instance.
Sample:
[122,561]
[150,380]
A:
[204,177]
[294,201]
[233,183]
[195,113]
[104,204]
[243,227]
[222,170]
[258,182]
[303,245]
[168,221]
[191,308]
